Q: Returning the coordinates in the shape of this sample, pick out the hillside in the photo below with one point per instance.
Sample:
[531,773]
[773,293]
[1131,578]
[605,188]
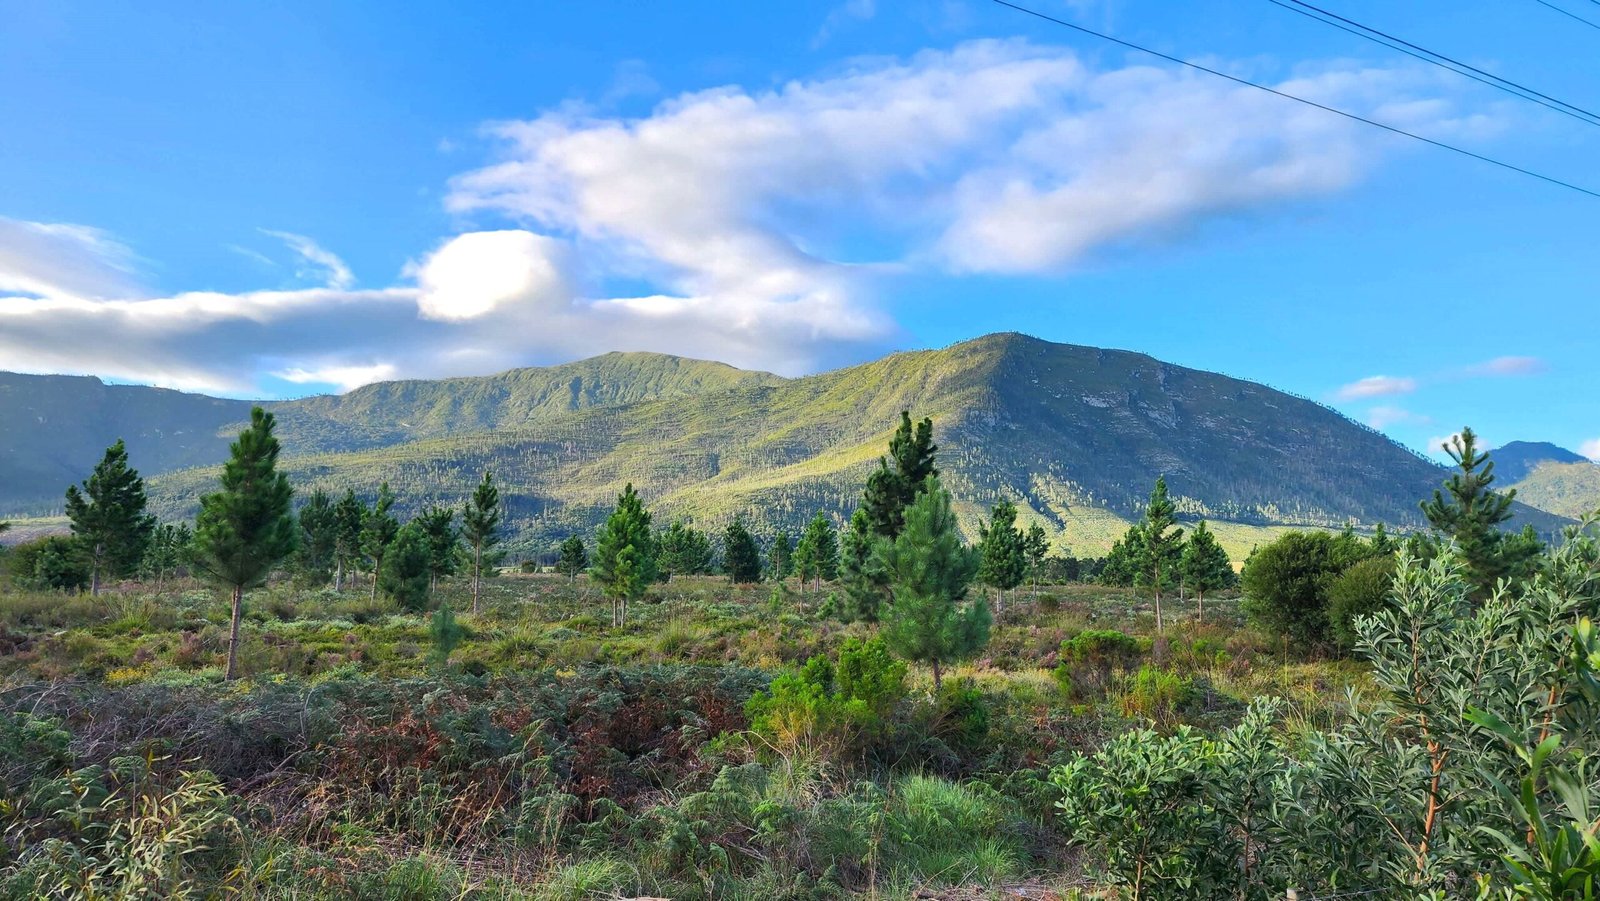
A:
[1075,435]
[53,429]
[1565,489]
[1517,459]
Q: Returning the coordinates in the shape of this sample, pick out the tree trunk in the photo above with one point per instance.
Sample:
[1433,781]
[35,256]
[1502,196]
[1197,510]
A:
[1200,600]
[338,574]
[937,676]
[477,575]
[94,574]
[233,634]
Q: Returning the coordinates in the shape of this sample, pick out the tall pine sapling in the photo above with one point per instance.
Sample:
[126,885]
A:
[1470,512]
[1002,555]
[378,530]
[1205,566]
[319,535]
[406,572]
[780,557]
[817,556]
[109,519]
[1035,546]
[929,619]
[740,556]
[1161,545]
[480,528]
[245,529]
[349,514]
[444,543]
[865,582]
[574,558]
[624,562]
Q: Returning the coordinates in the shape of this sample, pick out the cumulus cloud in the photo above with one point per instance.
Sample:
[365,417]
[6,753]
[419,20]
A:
[1376,386]
[734,224]
[1591,449]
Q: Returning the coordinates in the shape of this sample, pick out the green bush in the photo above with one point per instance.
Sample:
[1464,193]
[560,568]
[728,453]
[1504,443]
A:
[1361,590]
[832,709]
[1286,586]
[1088,660]
[54,562]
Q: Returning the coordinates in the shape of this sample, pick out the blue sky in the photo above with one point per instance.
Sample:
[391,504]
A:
[276,199]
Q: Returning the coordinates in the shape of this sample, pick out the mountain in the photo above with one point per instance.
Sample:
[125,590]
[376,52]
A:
[1564,489]
[1516,460]
[1074,435]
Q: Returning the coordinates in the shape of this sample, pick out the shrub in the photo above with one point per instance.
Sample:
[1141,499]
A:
[54,562]
[1286,586]
[1156,694]
[825,708]
[1088,660]
[1361,590]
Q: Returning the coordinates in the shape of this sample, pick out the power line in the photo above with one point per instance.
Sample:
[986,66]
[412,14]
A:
[1287,96]
[1326,17]
[1570,15]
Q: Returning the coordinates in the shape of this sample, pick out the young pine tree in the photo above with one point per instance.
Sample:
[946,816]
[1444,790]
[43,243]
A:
[817,556]
[378,530]
[1161,545]
[899,477]
[245,529]
[1470,512]
[1205,565]
[349,514]
[574,558]
[740,556]
[444,543]
[480,528]
[780,557]
[929,619]
[683,550]
[865,582]
[319,535]
[1035,546]
[109,519]
[407,570]
[624,554]
[168,550]
[1002,555]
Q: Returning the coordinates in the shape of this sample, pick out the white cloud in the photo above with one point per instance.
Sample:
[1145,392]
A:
[728,223]
[1591,449]
[319,263]
[61,260]
[844,13]
[1381,417]
[1508,366]
[1376,386]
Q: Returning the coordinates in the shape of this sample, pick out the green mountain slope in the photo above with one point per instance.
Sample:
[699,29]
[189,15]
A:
[1565,489]
[1517,459]
[54,428]
[1074,435]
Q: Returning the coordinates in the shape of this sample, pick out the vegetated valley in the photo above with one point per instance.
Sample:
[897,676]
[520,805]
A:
[1007,620]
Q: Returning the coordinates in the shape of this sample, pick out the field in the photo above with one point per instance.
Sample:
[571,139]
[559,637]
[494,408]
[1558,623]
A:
[554,756]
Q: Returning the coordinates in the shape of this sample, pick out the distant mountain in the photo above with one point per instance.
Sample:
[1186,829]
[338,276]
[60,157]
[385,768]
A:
[1514,461]
[1564,489]
[1074,435]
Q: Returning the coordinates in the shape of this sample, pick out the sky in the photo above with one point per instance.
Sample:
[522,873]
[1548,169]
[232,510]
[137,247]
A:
[273,200]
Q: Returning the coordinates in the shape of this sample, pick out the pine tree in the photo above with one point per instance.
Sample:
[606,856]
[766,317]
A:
[683,550]
[740,556]
[817,556]
[245,529]
[624,554]
[445,632]
[480,528]
[349,514]
[444,543]
[899,477]
[1002,555]
[1160,546]
[929,621]
[407,568]
[109,519]
[780,557]
[378,529]
[865,582]
[1205,565]
[1471,515]
[1381,542]
[1121,565]
[319,535]
[1036,545]
[168,550]
[574,558]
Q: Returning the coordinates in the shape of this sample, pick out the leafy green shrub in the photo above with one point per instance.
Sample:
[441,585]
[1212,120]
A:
[1155,694]
[54,562]
[1361,590]
[1088,660]
[828,709]
[1286,586]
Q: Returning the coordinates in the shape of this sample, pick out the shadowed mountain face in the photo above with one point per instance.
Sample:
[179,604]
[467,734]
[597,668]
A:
[1517,460]
[1074,435]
